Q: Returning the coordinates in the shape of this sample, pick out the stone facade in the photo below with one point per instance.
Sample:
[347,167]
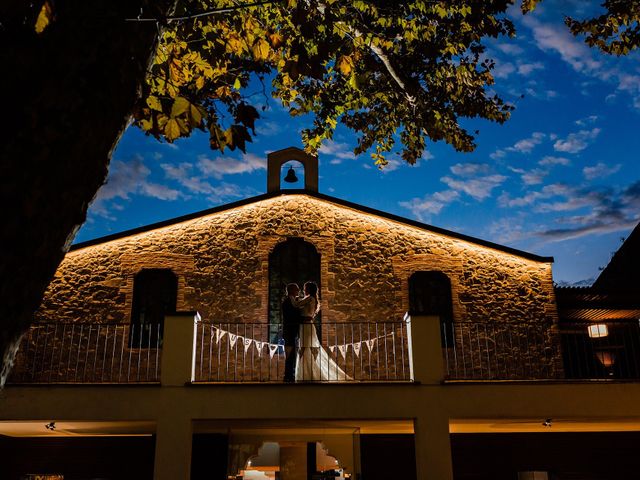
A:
[221,261]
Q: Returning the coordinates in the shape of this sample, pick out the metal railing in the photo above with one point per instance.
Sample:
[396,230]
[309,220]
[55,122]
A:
[89,353]
[340,352]
[602,350]
[485,351]
[501,351]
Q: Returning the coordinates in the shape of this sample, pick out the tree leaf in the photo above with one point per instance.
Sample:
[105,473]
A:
[345,65]
[154,103]
[180,105]
[45,17]
[172,130]
[260,49]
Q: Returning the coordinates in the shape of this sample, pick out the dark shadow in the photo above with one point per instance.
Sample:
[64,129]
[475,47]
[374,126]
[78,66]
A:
[155,293]
[430,294]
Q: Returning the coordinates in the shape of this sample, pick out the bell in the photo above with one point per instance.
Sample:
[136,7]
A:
[291,176]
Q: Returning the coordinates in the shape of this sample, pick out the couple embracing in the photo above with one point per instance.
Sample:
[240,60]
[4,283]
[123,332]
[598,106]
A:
[306,359]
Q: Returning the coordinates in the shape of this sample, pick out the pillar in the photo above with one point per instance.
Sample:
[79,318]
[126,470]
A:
[433,447]
[178,349]
[173,447]
[425,349]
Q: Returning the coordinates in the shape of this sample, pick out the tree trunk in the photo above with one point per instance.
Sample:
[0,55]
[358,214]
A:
[67,97]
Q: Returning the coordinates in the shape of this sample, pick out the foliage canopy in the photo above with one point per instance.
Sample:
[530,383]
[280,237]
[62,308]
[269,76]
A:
[385,69]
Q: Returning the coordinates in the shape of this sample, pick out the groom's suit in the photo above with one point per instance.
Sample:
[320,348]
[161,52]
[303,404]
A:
[290,332]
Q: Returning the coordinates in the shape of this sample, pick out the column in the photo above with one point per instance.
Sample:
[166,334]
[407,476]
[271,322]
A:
[178,349]
[173,447]
[425,349]
[433,447]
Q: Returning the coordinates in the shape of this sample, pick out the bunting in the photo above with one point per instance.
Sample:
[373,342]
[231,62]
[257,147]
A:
[273,348]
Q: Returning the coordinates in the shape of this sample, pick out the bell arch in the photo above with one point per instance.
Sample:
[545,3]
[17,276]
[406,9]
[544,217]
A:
[276,159]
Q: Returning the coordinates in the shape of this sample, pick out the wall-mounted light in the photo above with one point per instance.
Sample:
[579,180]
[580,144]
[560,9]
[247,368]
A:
[598,330]
[548,422]
[51,426]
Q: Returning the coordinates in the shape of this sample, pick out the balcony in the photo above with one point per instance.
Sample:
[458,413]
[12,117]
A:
[204,352]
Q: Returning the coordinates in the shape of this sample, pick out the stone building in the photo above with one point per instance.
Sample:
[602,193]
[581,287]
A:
[442,340]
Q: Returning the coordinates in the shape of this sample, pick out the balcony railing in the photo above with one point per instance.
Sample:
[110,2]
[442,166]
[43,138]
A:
[484,351]
[89,353]
[345,352]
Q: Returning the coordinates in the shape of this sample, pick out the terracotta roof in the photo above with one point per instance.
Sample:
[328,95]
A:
[320,196]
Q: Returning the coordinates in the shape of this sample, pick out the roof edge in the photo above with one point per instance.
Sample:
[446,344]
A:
[320,196]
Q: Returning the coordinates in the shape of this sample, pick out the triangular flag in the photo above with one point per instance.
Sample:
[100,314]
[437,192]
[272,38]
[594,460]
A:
[233,339]
[343,350]
[370,344]
[259,346]
[356,348]
[220,334]
[247,344]
[273,348]
[332,348]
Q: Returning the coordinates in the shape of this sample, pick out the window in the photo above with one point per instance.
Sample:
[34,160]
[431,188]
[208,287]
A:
[430,294]
[155,294]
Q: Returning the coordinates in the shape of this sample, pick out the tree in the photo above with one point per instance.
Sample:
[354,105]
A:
[78,70]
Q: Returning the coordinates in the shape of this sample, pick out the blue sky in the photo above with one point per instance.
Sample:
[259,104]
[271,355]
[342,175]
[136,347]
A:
[560,178]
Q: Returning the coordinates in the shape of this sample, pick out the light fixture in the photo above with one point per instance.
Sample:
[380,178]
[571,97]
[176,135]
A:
[291,176]
[51,426]
[607,359]
[598,330]
[548,422]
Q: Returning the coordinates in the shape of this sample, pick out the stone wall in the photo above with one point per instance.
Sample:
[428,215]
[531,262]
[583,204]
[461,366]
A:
[221,261]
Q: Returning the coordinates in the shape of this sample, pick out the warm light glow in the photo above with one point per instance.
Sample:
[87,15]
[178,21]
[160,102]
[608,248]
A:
[606,358]
[598,330]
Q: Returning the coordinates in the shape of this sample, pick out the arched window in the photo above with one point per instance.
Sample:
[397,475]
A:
[292,261]
[155,294]
[430,294]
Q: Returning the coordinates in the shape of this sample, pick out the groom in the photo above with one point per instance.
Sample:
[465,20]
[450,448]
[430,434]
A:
[290,331]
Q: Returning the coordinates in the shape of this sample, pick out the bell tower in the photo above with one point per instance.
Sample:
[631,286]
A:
[276,159]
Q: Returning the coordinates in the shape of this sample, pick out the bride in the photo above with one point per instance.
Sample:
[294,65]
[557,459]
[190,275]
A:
[314,362]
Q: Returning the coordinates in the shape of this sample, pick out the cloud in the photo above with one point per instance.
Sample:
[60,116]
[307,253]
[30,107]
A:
[528,68]
[600,170]
[551,160]
[583,122]
[339,151]
[557,38]
[269,129]
[509,48]
[469,169]
[526,145]
[197,185]
[126,179]
[576,142]
[531,177]
[477,188]
[424,208]
[221,166]
[580,211]
[503,69]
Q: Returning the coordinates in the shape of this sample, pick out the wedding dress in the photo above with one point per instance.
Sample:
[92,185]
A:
[314,363]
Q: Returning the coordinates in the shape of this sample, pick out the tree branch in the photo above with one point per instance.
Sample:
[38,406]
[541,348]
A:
[206,13]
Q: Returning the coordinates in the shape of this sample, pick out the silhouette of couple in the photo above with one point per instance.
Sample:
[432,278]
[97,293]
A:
[306,359]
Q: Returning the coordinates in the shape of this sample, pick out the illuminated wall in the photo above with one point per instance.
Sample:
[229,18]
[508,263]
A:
[221,261]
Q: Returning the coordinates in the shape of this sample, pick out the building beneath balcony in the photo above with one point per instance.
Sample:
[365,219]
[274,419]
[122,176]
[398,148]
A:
[454,351]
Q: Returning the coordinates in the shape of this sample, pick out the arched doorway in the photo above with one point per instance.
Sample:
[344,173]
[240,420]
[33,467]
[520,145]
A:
[292,261]
[430,294]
